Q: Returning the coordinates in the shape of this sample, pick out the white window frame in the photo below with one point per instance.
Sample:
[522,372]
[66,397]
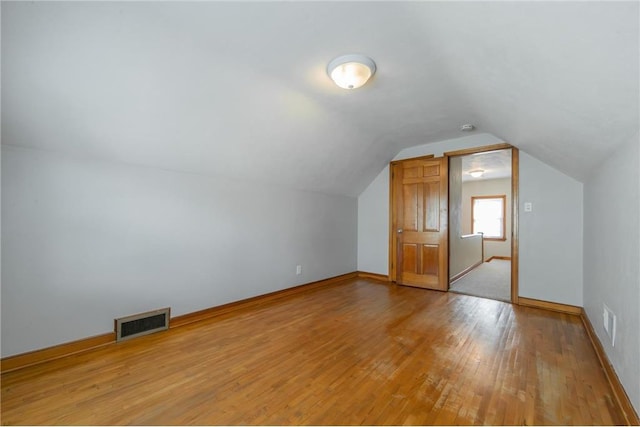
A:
[503,226]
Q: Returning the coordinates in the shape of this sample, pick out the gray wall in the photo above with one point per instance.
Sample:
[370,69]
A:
[373,225]
[612,260]
[85,241]
[463,253]
[551,234]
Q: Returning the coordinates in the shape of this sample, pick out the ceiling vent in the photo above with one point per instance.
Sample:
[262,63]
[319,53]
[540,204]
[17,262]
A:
[142,324]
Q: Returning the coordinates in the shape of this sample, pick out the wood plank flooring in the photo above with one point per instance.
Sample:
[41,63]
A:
[357,352]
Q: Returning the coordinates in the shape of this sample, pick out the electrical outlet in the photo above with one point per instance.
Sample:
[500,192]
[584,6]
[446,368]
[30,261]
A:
[298,269]
[528,206]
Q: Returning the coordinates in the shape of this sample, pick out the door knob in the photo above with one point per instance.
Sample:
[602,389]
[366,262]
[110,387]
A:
[399,230]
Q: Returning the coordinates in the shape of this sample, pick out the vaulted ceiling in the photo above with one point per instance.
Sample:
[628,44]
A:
[240,89]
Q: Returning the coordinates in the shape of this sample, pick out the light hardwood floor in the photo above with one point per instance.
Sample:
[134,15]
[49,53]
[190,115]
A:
[357,352]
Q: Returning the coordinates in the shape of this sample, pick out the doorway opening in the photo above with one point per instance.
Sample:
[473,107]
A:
[483,192]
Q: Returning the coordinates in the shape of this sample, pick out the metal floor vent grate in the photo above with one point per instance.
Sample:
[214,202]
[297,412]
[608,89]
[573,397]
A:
[142,324]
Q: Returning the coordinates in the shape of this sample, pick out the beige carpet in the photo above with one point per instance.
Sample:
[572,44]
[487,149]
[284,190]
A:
[488,280]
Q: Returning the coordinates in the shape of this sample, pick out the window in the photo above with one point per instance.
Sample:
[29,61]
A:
[488,216]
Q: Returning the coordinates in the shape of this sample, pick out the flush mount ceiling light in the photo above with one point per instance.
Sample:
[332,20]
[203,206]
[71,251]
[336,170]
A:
[476,173]
[351,71]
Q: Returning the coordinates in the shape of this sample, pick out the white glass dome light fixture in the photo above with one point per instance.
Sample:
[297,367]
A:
[476,173]
[351,71]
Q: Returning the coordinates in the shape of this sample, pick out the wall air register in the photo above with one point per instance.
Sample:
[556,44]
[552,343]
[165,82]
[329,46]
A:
[142,324]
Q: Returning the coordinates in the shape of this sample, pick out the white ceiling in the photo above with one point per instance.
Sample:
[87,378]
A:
[240,89]
[495,164]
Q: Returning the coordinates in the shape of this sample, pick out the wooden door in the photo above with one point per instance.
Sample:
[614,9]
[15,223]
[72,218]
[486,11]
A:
[419,223]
